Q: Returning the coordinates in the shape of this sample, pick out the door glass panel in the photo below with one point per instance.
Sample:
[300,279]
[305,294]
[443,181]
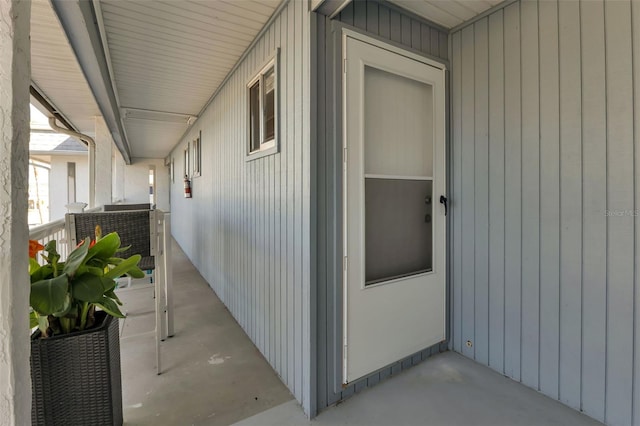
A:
[397,143]
[398,229]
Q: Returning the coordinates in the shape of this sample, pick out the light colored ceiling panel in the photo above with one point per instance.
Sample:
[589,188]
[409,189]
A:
[171,56]
[448,13]
[55,70]
[153,137]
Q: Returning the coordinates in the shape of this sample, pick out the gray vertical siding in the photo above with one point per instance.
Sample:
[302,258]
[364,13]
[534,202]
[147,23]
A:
[247,228]
[545,102]
[386,22]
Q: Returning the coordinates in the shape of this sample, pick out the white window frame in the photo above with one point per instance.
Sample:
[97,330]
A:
[197,156]
[187,161]
[271,146]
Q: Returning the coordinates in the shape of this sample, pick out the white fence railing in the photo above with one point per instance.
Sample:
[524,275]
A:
[164,273]
[55,231]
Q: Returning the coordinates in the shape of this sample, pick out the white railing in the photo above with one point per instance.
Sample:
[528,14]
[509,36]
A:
[161,249]
[55,231]
[51,231]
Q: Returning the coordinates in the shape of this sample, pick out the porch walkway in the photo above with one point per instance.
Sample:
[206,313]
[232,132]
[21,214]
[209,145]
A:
[212,373]
[446,390]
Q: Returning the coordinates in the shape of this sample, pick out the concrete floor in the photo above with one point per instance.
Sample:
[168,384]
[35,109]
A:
[212,373]
[448,389]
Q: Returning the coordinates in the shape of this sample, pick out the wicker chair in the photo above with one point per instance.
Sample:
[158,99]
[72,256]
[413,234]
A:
[136,228]
[121,207]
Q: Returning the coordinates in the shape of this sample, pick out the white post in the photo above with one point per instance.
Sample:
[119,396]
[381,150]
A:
[156,252]
[118,175]
[103,163]
[15,78]
[168,271]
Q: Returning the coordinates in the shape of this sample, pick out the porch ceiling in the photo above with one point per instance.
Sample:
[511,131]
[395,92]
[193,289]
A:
[164,59]
[55,70]
[448,13]
[168,58]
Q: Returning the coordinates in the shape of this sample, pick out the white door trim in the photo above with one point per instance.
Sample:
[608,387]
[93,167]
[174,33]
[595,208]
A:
[441,115]
[348,33]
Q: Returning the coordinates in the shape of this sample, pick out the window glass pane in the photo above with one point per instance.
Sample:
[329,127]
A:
[71,182]
[269,106]
[398,228]
[254,117]
[396,143]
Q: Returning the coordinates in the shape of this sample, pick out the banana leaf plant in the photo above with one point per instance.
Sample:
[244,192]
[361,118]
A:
[65,295]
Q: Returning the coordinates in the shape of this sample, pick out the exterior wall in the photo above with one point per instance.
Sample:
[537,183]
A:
[58,183]
[248,226]
[15,72]
[390,23]
[136,182]
[544,197]
[382,21]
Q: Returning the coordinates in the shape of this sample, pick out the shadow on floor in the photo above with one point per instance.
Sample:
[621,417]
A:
[212,372]
[445,390]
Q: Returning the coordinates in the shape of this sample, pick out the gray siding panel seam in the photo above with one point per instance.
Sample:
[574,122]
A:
[569,314]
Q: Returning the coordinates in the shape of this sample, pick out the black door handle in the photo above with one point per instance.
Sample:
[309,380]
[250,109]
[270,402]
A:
[443,200]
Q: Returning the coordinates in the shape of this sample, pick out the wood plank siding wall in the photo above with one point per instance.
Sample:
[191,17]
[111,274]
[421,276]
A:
[545,101]
[247,228]
[406,31]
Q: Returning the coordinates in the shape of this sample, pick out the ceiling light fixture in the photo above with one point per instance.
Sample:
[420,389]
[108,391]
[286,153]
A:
[152,115]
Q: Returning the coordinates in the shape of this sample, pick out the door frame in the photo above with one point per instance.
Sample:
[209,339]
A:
[403,51]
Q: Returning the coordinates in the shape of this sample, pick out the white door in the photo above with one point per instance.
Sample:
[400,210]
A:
[394,177]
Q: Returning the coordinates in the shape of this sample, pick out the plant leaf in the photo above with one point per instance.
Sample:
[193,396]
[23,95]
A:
[112,295]
[42,273]
[106,247]
[76,258]
[109,284]
[50,296]
[124,267]
[66,309]
[33,319]
[110,307]
[136,272]
[91,288]
[33,266]
[95,271]
[123,249]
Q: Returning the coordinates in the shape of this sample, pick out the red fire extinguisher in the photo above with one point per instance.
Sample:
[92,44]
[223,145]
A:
[187,187]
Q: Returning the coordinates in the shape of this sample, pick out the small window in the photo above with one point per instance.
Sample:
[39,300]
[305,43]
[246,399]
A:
[197,160]
[186,162]
[152,185]
[263,107]
[71,183]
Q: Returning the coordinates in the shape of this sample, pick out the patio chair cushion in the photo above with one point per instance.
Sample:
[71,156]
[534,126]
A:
[147,263]
[121,207]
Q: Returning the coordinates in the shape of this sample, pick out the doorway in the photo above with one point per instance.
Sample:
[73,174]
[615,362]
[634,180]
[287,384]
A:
[394,205]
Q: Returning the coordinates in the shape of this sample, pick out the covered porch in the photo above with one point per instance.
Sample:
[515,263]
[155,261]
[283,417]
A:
[245,120]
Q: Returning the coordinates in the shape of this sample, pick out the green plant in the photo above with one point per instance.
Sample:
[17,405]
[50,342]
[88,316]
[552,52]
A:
[64,295]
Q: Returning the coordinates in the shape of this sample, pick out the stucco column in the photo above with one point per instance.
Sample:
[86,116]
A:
[118,175]
[104,144]
[15,72]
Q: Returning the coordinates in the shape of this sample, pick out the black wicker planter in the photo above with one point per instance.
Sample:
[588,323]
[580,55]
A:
[76,377]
